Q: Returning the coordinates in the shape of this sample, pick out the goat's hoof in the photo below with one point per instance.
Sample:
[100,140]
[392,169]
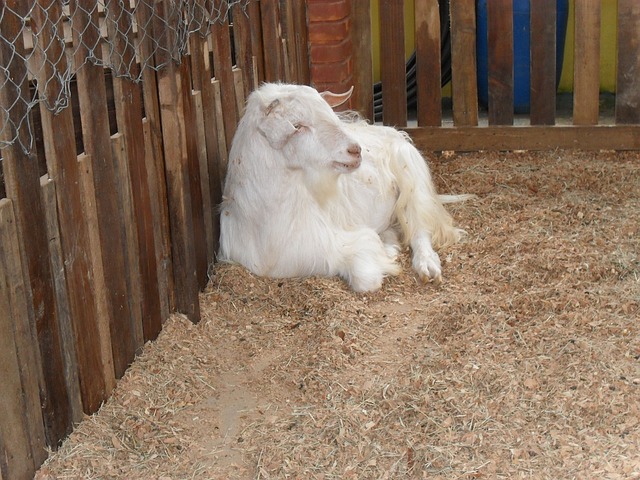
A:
[436,280]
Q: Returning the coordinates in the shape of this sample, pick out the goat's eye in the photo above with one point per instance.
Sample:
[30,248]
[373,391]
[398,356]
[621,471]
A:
[297,126]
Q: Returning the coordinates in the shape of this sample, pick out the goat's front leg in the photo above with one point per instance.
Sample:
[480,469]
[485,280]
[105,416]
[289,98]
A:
[366,261]
[426,261]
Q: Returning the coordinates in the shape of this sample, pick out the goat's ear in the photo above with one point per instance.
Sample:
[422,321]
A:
[336,99]
[274,127]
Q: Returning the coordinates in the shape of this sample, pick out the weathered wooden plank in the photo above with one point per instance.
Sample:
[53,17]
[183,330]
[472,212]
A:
[205,186]
[287,40]
[392,63]
[500,42]
[243,47]
[22,185]
[362,99]
[272,41]
[463,63]
[223,72]
[22,436]
[257,46]
[239,89]
[163,262]
[586,79]
[209,172]
[67,340]
[147,321]
[86,186]
[543,62]
[131,252]
[193,171]
[154,161]
[171,85]
[628,78]
[300,39]
[96,367]
[428,63]
[222,144]
[526,138]
[95,132]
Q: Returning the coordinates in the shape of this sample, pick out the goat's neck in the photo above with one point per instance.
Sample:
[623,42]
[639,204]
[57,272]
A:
[323,185]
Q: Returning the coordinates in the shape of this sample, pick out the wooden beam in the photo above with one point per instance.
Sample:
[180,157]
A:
[601,137]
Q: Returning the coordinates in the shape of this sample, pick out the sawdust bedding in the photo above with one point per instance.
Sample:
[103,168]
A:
[524,363]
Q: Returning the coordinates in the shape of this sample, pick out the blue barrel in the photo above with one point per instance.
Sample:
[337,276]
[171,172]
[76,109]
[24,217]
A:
[521,51]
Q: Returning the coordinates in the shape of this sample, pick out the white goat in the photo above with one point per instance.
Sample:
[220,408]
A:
[308,193]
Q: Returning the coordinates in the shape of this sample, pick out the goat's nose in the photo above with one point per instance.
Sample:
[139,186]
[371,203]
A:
[354,149]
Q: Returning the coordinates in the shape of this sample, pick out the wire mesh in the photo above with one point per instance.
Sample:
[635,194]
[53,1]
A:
[43,44]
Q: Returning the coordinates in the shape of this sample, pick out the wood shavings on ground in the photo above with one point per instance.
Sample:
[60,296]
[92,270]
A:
[524,363]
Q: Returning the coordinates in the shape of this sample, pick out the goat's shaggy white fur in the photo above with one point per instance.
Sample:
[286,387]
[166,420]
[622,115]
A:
[308,193]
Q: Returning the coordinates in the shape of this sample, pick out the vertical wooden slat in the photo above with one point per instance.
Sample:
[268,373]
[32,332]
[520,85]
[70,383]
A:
[128,103]
[428,60]
[543,62]
[500,42]
[362,99]
[96,365]
[222,68]
[193,172]
[628,79]
[288,41]
[172,82]
[205,186]
[86,187]
[272,41]
[392,63]
[222,144]
[243,47]
[22,442]
[63,309]
[95,131]
[586,80]
[22,184]
[300,38]
[463,63]
[202,82]
[257,46]
[155,164]
[130,235]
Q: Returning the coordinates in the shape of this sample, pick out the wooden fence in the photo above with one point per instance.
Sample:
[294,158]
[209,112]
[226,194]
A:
[98,247]
[466,129]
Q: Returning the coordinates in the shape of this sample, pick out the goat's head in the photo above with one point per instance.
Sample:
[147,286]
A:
[299,122]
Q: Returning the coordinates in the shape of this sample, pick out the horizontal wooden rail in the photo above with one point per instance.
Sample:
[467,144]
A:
[497,138]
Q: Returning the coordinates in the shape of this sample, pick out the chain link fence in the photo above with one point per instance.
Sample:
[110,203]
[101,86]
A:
[43,44]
